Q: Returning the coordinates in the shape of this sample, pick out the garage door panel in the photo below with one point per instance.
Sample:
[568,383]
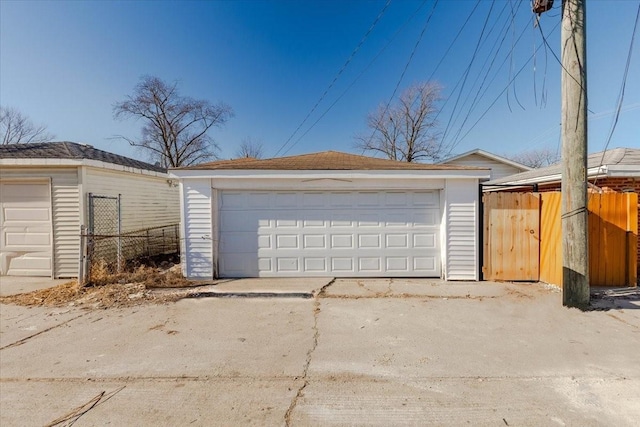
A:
[239,264]
[370,264]
[314,223]
[231,242]
[424,263]
[367,199]
[314,241]
[288,264]
[427,240]
[316,265]
[26,238]
[397,264]
[342,241]
[397,240]
[342,264]
[341,199]
[287,241]
[27,214]
[369,241]
[332,233]
[314,200]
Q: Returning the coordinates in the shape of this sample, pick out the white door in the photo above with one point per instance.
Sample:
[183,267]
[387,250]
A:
[26,241]
[337,233]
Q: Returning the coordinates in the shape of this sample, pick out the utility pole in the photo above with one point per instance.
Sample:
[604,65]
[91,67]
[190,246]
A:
[575,249]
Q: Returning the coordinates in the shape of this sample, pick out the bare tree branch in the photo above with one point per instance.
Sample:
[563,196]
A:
[175,128]
[17,128]
[406,131]
[249,148]
[536,157]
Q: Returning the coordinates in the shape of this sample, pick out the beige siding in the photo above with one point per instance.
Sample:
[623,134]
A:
[65,213]
[498,169]
[146,201]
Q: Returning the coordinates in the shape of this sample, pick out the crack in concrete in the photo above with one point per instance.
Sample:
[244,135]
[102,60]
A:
[314,345]
[24,340]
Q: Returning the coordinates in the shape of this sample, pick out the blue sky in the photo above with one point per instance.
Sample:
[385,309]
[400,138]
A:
[65,64]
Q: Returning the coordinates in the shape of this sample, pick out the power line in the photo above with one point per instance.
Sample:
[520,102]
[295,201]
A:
[353,82]
[477,96]
[622,90]
[406,66]
[466,73]
[446,53]
[480,94]
[544,38]
[344,66]
[504,90]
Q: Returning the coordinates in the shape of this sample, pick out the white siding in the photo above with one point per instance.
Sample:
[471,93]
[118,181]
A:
[461,213]
[146,201]
[65,213]
[197,224]
[498,169]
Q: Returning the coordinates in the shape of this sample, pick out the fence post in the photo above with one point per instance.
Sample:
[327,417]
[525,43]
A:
[148,245]
[82,257]
[119,254]
[91,212]
[176,231]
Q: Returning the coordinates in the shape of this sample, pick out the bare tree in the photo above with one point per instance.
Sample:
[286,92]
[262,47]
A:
[536,157]
[406,130]
[16,128]
[175,129]
[249,148]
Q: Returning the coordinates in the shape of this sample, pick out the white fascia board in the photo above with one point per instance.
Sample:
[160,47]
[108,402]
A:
[596,172]
[622,171]
[331,174]
[79,162]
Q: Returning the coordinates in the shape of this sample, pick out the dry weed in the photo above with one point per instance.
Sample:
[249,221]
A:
[107,290]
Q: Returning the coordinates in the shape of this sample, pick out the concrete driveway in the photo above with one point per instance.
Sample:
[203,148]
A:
[361,352]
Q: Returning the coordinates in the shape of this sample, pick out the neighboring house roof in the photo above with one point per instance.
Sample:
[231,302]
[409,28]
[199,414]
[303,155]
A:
[618,162]
[71,151]
[326,160]
[488,155]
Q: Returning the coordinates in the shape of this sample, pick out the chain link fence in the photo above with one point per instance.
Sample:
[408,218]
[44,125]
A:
[104,244]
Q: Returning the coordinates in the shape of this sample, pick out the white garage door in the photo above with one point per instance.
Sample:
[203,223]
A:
[347,234]
[25,225]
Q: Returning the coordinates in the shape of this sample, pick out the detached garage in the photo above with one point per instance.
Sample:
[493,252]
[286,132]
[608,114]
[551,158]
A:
[329,214]
[44,189]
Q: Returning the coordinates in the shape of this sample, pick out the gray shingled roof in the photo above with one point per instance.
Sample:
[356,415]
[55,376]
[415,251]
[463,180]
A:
[326,160]
[616,156]
[70,150]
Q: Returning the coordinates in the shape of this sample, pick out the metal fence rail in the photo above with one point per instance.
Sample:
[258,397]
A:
[117,252]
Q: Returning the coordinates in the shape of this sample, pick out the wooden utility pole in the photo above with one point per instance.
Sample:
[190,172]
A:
[575,248]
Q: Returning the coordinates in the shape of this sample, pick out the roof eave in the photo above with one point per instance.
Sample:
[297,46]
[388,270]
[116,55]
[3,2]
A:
[489,156]
[307,174]
[53,162]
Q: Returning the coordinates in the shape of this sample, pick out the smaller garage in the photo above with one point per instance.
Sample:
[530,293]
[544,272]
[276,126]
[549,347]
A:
[46,195]
[329,214]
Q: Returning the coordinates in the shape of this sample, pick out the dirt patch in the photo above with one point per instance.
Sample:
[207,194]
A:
[93,297]
[109,290]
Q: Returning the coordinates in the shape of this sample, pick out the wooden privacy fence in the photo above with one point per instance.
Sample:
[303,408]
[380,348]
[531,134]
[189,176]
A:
[523,238]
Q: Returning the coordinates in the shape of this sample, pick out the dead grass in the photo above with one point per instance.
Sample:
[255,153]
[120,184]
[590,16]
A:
[150,277]
[108,290]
